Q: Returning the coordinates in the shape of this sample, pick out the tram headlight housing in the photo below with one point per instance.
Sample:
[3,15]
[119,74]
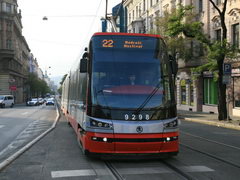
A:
[172,124]
[99,124]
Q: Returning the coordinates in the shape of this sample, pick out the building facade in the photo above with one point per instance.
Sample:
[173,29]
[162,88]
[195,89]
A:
[14,51]
[194,94]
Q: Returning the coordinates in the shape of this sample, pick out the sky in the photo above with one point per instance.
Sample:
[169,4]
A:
[59,41]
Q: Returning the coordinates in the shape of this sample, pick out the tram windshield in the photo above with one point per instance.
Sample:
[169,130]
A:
[130,80]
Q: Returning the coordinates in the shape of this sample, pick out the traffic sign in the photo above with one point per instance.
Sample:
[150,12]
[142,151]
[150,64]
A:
[13,88]
[226,79]
[227,68]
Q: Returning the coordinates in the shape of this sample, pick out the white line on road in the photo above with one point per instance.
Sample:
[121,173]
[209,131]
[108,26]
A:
[196,169]
[127,171]
[73,173]
[25,113]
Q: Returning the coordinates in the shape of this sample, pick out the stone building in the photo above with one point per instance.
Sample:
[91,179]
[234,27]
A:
[14,51]
[194,94]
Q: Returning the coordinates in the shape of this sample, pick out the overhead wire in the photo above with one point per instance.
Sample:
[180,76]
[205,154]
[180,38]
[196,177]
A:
[89,31]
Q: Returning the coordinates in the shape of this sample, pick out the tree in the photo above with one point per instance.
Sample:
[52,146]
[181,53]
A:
[182,24]
[177,45]
[37,87]
[61,83]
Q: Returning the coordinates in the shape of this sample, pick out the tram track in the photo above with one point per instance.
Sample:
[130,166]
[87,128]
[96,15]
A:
[178,170]
[212,141]
[170,168]
[211,155]
[114,171]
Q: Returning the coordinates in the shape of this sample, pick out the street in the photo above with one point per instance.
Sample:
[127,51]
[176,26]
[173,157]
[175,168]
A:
[206,152]
[21,124]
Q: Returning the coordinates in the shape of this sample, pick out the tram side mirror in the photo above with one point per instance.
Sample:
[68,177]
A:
[83,65]
[173,64]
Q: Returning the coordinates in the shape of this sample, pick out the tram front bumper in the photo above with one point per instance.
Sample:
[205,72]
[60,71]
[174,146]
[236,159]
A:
[131,143]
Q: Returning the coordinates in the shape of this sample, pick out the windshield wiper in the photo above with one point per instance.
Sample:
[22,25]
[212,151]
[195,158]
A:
[140,108]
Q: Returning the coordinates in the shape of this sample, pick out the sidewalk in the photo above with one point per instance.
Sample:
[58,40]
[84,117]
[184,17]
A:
[210,119]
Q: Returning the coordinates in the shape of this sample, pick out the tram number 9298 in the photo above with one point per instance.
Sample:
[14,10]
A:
[135,117]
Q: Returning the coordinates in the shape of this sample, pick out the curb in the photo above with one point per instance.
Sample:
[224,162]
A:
[213,123]
[13,157]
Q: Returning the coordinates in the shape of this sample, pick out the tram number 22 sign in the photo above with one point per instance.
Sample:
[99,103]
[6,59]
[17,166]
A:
[107,43]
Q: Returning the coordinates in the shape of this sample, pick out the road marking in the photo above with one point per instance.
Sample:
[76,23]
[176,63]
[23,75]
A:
[2,126]
[73,173]
[223,144]
[25,113]
[196,169]
[147,170]
[127,171]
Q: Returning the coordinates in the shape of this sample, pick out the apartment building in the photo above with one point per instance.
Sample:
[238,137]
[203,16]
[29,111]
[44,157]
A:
[194,94]
[14,51]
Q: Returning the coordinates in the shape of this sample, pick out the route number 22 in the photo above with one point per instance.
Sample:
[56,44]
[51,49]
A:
[107,43]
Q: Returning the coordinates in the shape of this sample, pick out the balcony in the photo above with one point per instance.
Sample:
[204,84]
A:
[7,53]
[191,63]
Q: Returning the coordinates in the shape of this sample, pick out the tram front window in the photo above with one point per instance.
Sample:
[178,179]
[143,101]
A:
[128,84]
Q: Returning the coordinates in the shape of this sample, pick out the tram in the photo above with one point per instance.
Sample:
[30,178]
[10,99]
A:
[119,98]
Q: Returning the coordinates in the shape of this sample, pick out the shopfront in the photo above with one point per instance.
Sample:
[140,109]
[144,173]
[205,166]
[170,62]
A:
[236,91]
[210,93]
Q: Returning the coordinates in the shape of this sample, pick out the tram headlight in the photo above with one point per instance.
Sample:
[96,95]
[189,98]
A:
[172,124]
[99,124]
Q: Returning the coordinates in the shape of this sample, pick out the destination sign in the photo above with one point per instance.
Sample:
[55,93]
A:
[109,43]
[133,44]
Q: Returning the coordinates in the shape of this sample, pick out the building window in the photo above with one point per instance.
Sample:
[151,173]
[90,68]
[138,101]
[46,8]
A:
[235,35]
[9,26]
[191,94]
[236,92]
[151,3]
[144,5]
[210,91]
[129,18]
[140,9]
[200,6]
[136,11]
[151,22]
[8,8]
[183,91]
[218,34]
[218,2]
[9,44]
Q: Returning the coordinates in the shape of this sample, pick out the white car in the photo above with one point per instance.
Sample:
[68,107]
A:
[50,101]
[33,102]
[6,101]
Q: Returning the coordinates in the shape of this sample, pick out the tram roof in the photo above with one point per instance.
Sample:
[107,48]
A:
[126,34]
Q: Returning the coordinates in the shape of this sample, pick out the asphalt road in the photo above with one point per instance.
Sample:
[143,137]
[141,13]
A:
[21,124]
[206,152]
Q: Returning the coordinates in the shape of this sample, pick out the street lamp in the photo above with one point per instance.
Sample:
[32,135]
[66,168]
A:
[45,18]
[46,71]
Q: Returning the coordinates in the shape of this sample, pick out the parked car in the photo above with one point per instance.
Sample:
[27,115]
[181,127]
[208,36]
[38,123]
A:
[33,102]
[6,101]
[41,101]
[50,101]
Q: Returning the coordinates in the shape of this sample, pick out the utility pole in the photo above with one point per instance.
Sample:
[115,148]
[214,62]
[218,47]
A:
[106,17]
